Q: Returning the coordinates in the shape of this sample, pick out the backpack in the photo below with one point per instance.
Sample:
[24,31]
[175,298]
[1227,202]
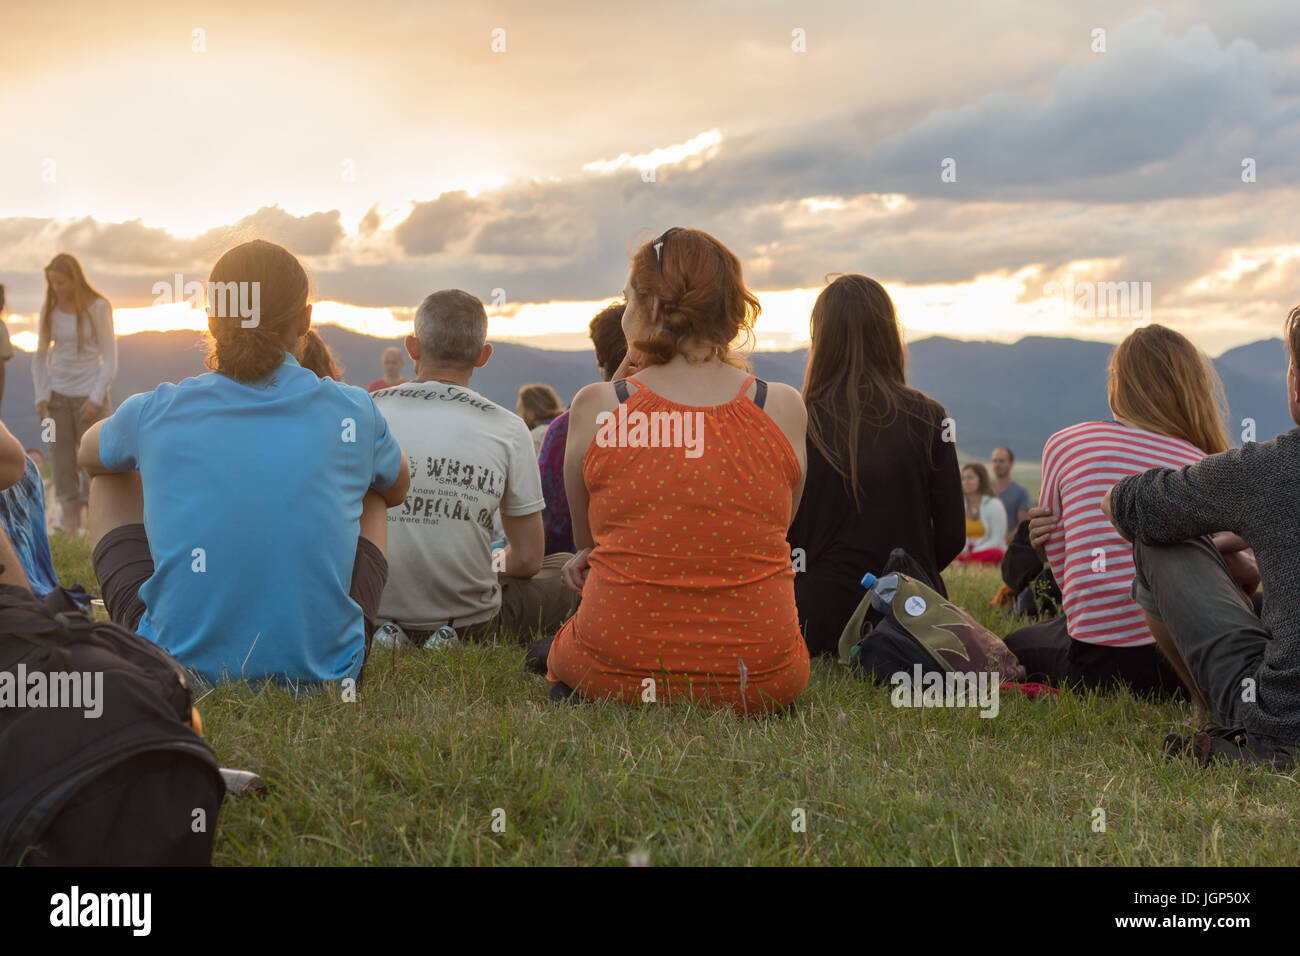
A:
[921,627]
[118,775]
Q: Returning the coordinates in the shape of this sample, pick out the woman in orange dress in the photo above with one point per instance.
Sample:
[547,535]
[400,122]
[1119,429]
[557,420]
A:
[682,482]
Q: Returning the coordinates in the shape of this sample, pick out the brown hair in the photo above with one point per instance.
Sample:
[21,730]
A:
[1292,328]
[318,357]
[538,403]
[698,295]
[251,354]
[606,331]
[1163,383]
[856,372]
[84,296]
[982,473]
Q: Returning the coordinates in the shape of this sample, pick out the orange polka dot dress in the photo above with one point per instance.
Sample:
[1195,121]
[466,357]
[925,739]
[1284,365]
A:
[690,584]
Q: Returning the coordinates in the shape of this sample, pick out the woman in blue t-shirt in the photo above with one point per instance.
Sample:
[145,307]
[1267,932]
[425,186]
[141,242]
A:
[264,488]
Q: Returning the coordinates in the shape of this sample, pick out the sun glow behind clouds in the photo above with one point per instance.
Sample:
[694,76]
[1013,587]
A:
[1001,307]
[704,147]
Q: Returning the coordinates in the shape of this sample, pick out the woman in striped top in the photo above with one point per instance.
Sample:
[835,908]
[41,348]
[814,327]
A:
[1169,411]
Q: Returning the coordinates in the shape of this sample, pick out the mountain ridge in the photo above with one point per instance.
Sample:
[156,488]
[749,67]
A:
[1015,394]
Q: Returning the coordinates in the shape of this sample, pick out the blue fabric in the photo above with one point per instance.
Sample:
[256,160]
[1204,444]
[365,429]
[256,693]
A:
[252,507]
[22,514]
[1015,499]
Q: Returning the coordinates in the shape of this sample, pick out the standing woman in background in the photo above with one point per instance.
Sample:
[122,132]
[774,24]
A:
[76,359]
[6,347]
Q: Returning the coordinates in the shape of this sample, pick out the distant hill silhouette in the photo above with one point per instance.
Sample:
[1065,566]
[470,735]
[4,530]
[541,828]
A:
[998,394]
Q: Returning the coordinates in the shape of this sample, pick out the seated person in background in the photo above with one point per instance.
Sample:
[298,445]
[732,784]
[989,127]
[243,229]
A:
[1244,670]
[22,514]
[254,482]
[986,518]
[606,333]
[469,458]
[392,362]
[538,405]
[1014,497]
[1168,408]
[880,475]
[683,565]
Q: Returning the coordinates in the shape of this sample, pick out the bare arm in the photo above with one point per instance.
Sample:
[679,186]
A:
[786,407]
[587,404]
[88,451]
[527,545]
[13,460]
[393,495]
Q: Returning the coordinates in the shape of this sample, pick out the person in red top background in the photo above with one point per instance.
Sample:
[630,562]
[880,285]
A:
[392,363]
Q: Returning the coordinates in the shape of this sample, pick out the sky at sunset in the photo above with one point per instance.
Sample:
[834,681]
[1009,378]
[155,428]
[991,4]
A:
[987,162]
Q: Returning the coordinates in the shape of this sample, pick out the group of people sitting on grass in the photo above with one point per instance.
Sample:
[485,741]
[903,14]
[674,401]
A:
[288,515]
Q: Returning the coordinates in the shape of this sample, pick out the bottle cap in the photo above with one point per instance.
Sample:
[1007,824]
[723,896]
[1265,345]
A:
[868,580]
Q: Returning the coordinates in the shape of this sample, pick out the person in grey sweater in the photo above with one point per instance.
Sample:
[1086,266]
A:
[1244,669]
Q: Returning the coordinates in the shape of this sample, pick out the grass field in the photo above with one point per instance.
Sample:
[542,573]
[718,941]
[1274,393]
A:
[459,758]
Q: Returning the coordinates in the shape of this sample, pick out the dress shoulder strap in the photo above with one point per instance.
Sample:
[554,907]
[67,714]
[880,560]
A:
[760,390]
[621,389]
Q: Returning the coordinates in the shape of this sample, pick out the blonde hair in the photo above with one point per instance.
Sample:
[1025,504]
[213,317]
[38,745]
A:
[1163,383]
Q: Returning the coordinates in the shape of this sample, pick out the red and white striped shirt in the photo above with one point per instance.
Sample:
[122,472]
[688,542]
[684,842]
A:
[1092,564]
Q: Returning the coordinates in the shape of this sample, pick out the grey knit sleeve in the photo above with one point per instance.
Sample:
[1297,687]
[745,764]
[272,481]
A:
[1165,505]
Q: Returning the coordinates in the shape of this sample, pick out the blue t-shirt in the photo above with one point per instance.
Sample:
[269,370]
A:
[252,506]
[1015,500]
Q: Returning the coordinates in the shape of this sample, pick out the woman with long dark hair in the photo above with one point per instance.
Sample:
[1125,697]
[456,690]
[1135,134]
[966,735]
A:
[880,473]
[76,359]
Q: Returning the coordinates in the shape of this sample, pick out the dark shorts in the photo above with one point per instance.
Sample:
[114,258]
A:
[122,564]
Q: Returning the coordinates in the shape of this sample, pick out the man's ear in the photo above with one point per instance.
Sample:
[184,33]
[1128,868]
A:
[484,355]
[413,349]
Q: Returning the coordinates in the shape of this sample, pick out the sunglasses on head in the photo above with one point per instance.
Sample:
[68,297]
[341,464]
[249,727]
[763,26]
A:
[658,245]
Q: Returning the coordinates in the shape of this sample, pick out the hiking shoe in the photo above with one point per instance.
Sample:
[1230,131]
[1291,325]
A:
[564,694]
[538,652]
[1175,745]
[1238,745]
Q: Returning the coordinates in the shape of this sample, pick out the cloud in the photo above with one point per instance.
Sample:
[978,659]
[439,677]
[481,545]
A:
[432,225]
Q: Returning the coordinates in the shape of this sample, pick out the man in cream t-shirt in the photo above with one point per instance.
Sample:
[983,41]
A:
[468,457]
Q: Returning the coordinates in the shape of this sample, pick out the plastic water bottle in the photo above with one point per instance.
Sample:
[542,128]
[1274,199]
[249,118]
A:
[390,635]
[882,590]
[441,639]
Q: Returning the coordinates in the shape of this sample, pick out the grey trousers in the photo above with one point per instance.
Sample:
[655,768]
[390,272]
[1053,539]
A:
[1187,586]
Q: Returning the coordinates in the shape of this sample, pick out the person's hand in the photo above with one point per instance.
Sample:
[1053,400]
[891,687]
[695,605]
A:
[1041,525]
[1227,542]
[90,413]
[628,367]
[42,411]
[1244,571]
[574,572]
